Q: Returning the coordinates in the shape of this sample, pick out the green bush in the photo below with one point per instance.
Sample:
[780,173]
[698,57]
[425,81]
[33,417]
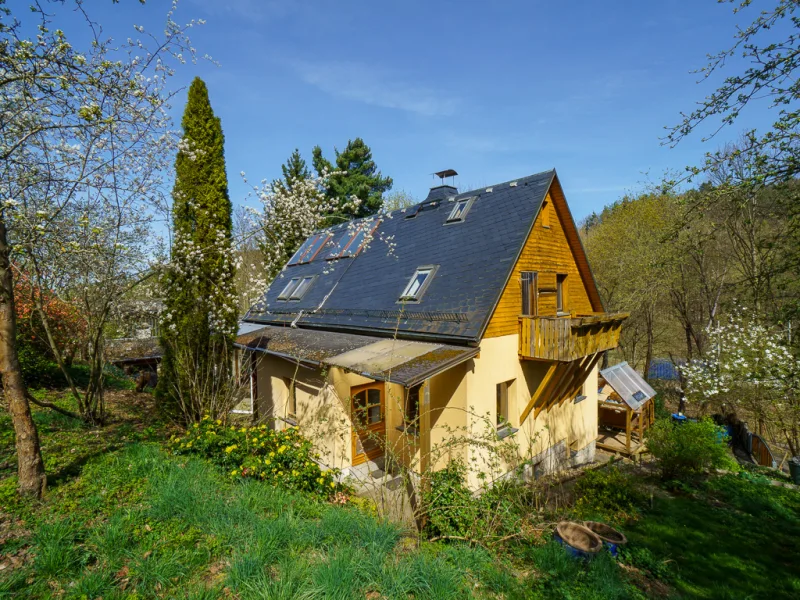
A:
[284,458]
[450,508]
[38,369]
[608,491]
[453,510]
[687,449]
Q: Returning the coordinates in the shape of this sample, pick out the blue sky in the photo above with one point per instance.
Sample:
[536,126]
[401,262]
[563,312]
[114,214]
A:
[495,90]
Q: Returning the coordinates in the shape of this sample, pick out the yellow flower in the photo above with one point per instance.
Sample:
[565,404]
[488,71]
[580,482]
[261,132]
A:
[294,473]
[206,418]
[189,444]
[243,430]
[281,449]
[230,449]
[333,484]
[218,422]
[266,462]
[321,480]
[234,472]
[196,425]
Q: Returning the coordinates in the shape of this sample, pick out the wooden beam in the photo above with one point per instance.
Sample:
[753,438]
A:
[539,389]
[425,428]
[628,430]
[543,401]
[555,394]
[579,381]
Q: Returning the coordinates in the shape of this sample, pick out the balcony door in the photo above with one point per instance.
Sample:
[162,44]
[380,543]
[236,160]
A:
[368,413]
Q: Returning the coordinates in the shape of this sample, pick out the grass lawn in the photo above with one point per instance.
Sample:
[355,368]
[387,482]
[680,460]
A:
[123,518]
[732,537]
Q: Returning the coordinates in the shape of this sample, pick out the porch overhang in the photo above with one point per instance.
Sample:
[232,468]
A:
[405,362]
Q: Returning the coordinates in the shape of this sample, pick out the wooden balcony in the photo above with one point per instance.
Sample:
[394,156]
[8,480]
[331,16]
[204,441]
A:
[570,337]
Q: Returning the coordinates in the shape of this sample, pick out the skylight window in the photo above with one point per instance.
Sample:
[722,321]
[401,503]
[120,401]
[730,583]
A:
[351,242]
[296,288]
[460,210]
[287,291]
[308,251]
[302,287]
[418,284]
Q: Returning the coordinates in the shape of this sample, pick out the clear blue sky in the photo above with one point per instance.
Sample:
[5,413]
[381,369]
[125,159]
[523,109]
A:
[495,90]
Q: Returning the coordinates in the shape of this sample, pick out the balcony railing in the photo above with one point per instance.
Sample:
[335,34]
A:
[568,338]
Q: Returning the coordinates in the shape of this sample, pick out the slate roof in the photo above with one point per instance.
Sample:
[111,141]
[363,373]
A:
[474,260]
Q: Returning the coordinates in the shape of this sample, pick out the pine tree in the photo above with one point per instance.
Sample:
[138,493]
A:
[200,303]
[360,177]
[294,170]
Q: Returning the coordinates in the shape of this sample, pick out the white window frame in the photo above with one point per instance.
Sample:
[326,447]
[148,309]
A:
[406,296]
[458,216]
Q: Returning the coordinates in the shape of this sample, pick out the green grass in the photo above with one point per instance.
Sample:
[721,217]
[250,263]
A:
[734,537]
[124,518]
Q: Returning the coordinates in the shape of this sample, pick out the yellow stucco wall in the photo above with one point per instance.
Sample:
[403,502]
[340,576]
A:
[462,411]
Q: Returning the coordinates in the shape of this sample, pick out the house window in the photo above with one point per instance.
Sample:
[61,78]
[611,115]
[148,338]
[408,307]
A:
[530,293]
[412,405]
[287,291]
[341,244]
[460,210]
[502,403]
[291,399]
[561,299]
[302,287]
[546,215]
[418,284]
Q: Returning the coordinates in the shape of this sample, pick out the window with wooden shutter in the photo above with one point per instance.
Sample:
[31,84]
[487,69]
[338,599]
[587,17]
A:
[530,297]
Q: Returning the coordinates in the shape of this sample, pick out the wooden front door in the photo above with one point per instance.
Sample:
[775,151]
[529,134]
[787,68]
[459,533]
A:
[369,424]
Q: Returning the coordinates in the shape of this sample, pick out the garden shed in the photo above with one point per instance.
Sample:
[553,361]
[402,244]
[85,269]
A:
[625,409]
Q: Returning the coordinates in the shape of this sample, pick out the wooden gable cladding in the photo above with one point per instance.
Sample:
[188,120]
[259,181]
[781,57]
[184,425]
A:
[550,251]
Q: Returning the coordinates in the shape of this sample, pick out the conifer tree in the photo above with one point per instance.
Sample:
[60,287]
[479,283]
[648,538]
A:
[355,174]
[294,171]
[200,313]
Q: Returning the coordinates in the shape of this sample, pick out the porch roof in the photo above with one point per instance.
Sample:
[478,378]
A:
[401,361]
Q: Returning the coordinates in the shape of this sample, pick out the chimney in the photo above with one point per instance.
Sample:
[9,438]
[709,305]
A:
[443,190]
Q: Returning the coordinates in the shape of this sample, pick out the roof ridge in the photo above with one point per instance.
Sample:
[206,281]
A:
[509,182]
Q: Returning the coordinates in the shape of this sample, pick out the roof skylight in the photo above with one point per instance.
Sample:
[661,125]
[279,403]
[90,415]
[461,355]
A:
[351,242]
[296,288]
[418,284]
[310,248]
[460,210]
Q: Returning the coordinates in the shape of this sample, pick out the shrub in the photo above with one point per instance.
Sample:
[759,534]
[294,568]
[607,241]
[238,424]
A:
[608,491]
[450,508]
[284,458]
[687,449]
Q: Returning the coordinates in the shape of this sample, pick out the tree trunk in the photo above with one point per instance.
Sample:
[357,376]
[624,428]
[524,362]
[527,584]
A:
[30,471]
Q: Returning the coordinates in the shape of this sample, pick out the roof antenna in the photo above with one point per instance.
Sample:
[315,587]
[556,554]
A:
[447,173]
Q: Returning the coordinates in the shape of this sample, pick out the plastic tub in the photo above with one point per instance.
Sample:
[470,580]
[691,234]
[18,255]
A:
[578,540]
[612,538]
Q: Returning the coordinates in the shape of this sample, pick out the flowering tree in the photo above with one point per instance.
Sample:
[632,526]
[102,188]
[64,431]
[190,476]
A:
[74,125]
[749,367]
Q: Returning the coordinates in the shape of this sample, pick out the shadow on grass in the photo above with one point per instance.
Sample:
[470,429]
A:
[739,539]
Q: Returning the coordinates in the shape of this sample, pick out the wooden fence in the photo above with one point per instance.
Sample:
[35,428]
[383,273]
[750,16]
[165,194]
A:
[754,444]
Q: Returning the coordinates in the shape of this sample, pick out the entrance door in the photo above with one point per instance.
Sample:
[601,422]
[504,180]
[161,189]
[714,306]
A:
[369,425]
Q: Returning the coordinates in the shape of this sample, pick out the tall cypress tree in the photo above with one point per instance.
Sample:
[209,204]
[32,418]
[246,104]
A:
[200,303]
[359,177]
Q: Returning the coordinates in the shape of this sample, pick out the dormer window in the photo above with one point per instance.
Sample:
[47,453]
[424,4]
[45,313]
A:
[418,284]
[460,210]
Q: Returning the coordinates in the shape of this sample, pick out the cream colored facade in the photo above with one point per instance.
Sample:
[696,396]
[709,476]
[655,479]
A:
[461,418]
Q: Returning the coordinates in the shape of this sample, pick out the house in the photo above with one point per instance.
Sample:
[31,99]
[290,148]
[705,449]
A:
[437,332]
